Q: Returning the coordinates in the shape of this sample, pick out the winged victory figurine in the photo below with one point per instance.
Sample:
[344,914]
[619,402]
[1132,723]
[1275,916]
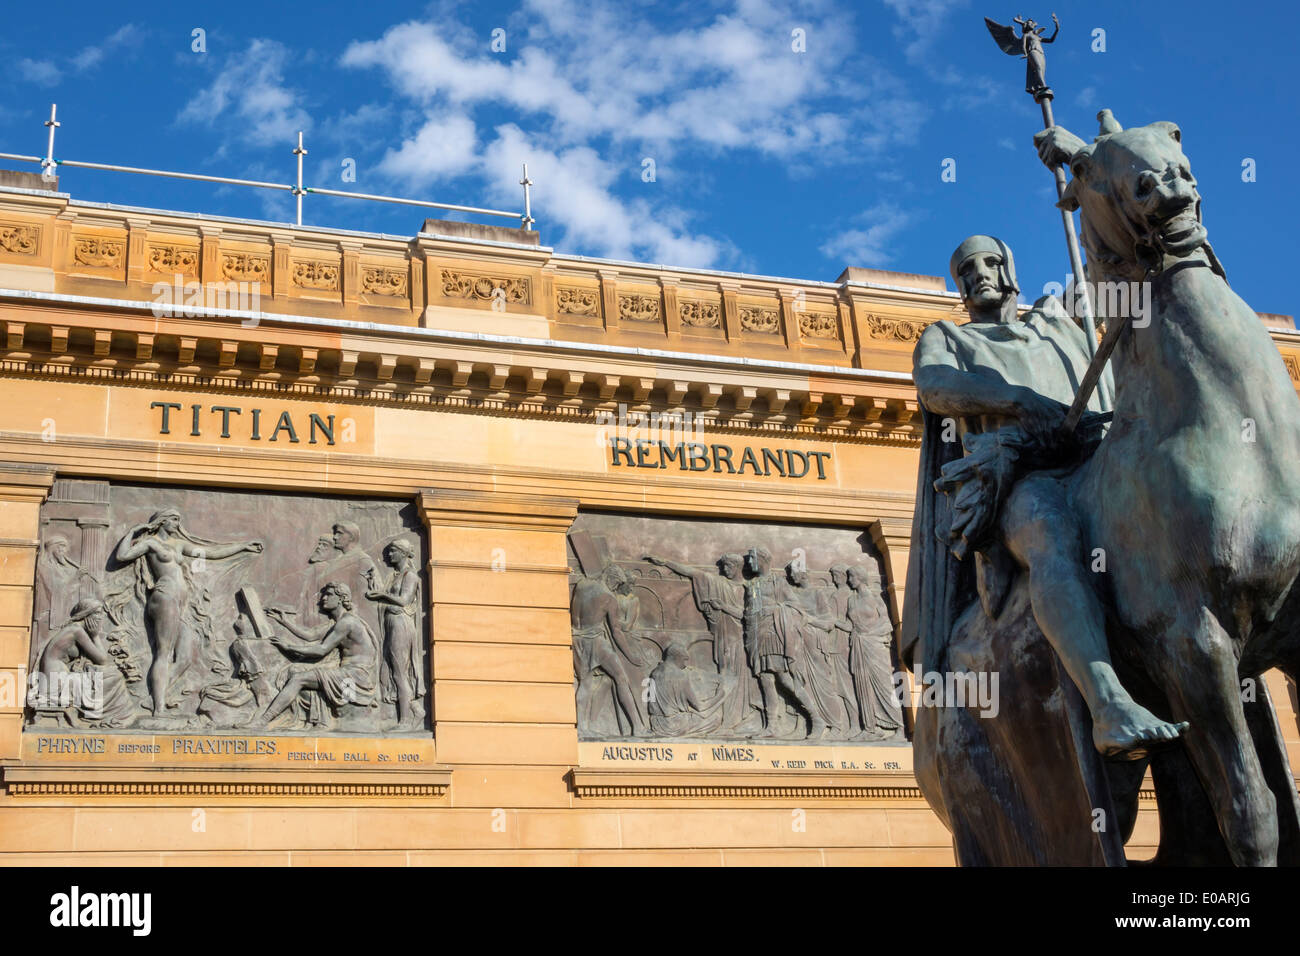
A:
[1029,44]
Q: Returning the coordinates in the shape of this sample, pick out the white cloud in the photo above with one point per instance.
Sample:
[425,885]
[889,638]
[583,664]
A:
[444,146]
[732,84]
[597,88]
[249,94]
[575,190]
[868,246]
[91,56]
[40,72]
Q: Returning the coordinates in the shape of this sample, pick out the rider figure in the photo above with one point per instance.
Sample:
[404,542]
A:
[997,389]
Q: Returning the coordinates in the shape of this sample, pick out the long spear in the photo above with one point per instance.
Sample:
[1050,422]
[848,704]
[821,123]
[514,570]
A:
[1029,45]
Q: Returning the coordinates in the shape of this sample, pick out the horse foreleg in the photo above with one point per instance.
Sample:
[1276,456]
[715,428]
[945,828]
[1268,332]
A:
[1197,666]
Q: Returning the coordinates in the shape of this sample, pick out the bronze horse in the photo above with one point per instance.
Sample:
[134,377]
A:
[1193,496]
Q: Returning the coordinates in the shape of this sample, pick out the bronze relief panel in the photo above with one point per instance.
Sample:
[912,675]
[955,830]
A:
[170,609]
[702,629]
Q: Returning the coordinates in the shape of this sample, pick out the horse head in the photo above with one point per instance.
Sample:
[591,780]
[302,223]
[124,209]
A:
[1138,199]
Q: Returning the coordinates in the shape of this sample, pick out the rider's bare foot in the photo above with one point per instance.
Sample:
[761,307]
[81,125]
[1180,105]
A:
[1125,730]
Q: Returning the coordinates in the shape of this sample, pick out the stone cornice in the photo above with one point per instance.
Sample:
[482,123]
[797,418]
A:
[448,283]
[90,780]
[122,341]
[833,785]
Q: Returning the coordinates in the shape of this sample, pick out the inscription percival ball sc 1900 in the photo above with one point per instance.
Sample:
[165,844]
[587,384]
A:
[701,629]
[192,609]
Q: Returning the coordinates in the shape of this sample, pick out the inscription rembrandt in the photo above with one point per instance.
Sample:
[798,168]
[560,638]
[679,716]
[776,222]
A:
[697,456]
[674,440]
[172,609]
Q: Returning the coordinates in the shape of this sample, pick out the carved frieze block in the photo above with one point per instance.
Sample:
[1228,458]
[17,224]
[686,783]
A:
[638,308]
[98,252]
[312,274]
[698,629]
[174,260]
[486,288]
[575,301]
[19,238]
[756,319]
[376,280]
[195,610]
[901,330]
[246,267]
[819,325]
[700,315]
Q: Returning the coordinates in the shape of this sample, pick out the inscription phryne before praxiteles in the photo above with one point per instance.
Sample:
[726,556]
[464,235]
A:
[186,609]
[729,646]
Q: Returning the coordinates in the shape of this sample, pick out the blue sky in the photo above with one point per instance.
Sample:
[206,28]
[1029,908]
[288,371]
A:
[766,158]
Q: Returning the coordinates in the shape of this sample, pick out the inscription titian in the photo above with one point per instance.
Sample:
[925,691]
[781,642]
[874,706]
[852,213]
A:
[254,424]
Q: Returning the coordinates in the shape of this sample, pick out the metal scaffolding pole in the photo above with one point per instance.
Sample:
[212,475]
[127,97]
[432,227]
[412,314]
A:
[49,163]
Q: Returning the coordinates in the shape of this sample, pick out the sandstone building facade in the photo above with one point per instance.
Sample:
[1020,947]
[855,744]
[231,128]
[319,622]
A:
[206,423]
